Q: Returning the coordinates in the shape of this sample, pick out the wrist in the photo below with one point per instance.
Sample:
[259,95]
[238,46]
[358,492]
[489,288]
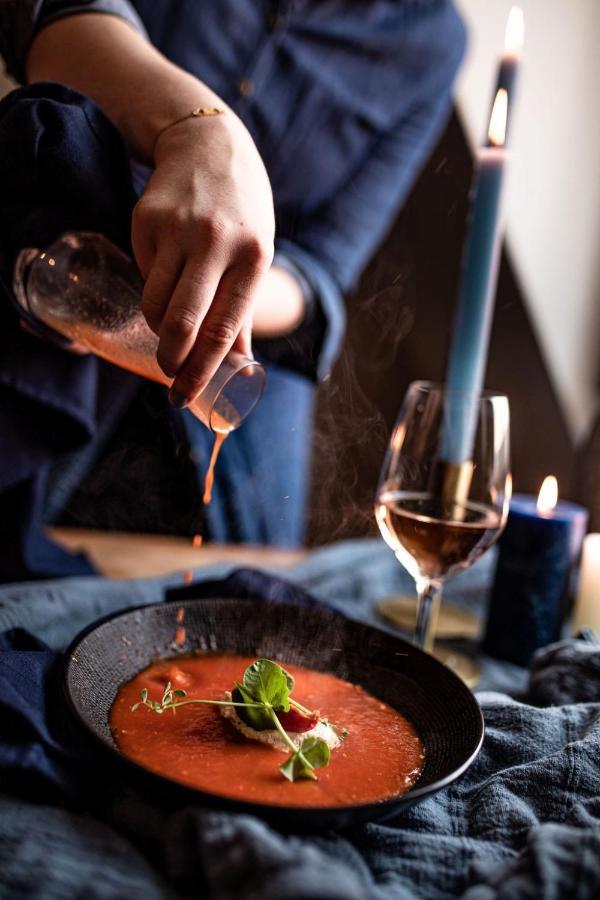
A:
[280,306]
[200,112]
[187,125]
[194,131]
[156,118]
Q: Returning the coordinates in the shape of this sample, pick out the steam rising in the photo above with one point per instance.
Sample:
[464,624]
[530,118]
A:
[351,433]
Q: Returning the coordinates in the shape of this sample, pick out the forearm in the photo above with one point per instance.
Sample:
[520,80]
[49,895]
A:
[105,58]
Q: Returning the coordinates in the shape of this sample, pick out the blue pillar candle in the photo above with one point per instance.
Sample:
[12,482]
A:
[537,554]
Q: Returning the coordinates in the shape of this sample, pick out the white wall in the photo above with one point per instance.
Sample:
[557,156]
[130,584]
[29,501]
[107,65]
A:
[553,204]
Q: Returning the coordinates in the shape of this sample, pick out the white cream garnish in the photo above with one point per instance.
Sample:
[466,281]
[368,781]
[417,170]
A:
[332,736]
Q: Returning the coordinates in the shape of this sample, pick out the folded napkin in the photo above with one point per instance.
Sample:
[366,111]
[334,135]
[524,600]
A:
[524,821]
[63,167]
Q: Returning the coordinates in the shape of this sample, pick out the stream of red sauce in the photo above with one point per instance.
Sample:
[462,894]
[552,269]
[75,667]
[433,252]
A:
[209,478]
[381,758]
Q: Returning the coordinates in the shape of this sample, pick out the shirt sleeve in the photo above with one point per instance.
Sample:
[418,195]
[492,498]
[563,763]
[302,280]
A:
[20,20]
[311,349]
[333,245]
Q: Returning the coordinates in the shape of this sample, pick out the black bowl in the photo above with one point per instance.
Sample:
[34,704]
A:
[442,709]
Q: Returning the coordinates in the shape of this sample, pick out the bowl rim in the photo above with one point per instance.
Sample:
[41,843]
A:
[250,807]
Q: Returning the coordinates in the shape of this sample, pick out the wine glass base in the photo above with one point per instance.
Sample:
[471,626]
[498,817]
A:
[452,622]
[467,669]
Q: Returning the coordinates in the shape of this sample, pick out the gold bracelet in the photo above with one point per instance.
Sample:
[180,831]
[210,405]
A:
[200,112]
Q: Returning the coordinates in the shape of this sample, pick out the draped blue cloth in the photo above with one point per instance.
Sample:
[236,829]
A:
[62,167]
[523,822]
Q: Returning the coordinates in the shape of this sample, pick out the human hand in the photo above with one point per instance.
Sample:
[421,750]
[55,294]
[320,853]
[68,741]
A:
[202,236]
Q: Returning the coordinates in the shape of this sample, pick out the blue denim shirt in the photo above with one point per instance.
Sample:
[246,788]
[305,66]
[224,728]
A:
[344,99]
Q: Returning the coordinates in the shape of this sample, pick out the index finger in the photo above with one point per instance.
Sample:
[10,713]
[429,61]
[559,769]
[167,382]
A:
[218,332]
[185,313]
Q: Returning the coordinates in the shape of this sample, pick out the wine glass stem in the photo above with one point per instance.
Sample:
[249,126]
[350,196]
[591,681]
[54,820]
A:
[430,593]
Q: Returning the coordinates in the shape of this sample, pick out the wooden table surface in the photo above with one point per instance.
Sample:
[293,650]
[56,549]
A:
[122,555]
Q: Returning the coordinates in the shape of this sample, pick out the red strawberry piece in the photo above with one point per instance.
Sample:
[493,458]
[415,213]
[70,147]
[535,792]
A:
[294,720]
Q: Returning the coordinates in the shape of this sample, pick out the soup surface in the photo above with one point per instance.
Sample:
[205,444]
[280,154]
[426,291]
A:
[381,757]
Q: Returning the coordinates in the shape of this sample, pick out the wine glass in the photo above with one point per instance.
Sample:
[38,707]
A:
[439,515]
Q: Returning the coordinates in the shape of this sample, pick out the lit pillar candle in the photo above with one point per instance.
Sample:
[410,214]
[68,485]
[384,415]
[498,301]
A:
[587,604]
[510,61]
[537,554]
[470,338]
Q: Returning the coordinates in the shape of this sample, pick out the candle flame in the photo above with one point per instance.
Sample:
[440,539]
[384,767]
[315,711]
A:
[497,130]
[515,31]
[548,496]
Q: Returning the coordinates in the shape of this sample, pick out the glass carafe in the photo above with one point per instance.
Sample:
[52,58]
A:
[86,288]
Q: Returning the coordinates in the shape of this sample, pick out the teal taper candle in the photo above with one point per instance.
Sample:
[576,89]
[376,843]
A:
[470,339]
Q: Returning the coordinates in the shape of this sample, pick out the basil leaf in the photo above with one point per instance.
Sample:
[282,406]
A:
[267,682]
[316,751]
[293,769]
[259,719]
[313,754]
[289,678]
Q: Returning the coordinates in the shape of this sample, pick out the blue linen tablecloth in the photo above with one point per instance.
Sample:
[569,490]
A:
[523,822]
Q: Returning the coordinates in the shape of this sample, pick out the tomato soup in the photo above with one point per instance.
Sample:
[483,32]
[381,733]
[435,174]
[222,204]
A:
[380,758]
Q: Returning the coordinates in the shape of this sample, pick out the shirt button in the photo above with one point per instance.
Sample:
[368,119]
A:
[246,87]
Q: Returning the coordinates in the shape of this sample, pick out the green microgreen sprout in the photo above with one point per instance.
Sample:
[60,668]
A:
[264,690]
